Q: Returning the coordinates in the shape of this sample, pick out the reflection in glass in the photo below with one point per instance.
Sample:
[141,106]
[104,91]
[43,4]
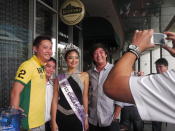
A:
[44,21]
[14,39]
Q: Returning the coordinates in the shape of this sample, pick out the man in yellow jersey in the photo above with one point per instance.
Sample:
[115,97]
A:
[29,90]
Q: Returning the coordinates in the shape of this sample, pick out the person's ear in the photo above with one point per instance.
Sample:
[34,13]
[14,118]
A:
[34,49]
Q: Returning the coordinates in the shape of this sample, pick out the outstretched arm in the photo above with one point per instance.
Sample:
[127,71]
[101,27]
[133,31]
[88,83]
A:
[116,85]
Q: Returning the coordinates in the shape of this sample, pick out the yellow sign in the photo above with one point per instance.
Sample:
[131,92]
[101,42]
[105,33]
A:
[72,12]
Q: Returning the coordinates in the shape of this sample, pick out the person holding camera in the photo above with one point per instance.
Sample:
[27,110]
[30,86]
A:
[154,94]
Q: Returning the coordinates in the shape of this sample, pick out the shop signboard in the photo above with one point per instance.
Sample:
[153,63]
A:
[72,12]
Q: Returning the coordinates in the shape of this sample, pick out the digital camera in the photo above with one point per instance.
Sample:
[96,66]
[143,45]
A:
[158,38]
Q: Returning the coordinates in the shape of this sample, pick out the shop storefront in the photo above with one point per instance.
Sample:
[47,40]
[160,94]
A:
[20,23]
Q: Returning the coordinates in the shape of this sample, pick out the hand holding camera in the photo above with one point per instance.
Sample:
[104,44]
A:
[158,38]
[141,39]
[170,36]
[147,39]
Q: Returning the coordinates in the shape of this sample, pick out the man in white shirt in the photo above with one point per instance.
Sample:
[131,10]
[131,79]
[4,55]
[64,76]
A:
[153,95]
[50,70]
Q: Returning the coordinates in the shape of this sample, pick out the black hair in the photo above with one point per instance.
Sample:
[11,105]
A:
[99,45]
[38,40]
[66,54]
[52,59]
[161,61]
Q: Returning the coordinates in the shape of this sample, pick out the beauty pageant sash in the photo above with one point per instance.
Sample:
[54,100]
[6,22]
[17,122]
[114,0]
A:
[71,98]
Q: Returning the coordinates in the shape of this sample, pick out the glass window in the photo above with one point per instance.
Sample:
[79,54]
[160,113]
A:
[63,32]
[48,2]
[76,31]
[44,21]
[51,3]
[62,41]
[14,39]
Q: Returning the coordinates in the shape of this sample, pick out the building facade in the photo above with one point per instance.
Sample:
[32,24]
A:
[107,21]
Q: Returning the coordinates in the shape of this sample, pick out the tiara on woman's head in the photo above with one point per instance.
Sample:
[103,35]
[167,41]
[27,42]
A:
[70,47]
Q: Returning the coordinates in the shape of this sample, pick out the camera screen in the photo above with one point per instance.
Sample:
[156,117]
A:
[158,38]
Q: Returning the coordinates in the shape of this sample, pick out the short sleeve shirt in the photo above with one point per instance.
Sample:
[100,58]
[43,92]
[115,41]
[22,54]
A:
[154,96]
[32,99]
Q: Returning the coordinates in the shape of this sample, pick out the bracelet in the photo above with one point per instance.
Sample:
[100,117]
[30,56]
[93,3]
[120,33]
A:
[135,53]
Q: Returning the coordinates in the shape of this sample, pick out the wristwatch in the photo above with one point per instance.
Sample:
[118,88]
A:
[134,49]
